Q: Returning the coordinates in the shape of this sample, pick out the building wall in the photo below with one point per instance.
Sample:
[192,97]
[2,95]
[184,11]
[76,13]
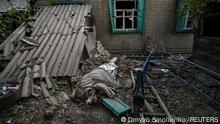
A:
[159,23]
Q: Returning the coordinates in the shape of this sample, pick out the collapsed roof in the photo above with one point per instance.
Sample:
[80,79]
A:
[57,42]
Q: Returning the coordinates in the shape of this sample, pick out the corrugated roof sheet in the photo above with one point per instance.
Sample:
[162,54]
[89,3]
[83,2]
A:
[60,34]
[17,4]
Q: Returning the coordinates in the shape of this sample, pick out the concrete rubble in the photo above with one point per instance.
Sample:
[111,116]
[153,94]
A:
[174,96]
[63,69]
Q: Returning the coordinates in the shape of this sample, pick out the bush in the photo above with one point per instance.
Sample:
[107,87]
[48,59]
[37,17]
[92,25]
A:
[10,20]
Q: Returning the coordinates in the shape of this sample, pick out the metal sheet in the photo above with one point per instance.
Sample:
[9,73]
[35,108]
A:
[59,32]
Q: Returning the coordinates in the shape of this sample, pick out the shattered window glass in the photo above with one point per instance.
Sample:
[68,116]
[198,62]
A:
[126,14]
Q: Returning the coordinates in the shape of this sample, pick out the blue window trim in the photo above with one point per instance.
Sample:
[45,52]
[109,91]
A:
[180,21]
[140,17]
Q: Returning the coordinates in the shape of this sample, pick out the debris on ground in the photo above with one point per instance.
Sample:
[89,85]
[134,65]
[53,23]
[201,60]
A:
[179,99]
[156,43]
[54,72]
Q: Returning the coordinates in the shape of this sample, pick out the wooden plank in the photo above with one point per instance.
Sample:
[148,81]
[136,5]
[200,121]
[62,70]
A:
[162,105]
[133,80]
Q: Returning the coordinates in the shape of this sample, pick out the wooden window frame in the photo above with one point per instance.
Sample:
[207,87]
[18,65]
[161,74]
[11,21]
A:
[123,16]
[186,21]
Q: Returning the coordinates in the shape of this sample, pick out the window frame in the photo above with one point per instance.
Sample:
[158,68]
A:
[186,21]
[181,21]
[140,21]
[123,16]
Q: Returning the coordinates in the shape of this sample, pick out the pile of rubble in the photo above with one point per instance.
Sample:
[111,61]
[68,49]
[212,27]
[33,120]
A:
[68,111]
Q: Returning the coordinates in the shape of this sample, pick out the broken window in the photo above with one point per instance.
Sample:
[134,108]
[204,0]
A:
[188,21]
[184,23]
[126,15]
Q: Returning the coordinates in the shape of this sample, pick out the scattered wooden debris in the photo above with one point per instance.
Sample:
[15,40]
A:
[101,50]
[162,105]
[132,78]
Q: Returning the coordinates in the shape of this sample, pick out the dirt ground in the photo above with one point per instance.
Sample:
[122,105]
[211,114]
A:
[180,100]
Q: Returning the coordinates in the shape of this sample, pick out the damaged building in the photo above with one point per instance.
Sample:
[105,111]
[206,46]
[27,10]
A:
[110,61]
[132,24]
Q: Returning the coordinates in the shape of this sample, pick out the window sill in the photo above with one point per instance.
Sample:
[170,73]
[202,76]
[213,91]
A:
[185,30]
[121,31]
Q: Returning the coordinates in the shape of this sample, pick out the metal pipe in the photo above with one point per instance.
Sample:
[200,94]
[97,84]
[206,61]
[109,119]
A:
[210,72]
[195,88]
